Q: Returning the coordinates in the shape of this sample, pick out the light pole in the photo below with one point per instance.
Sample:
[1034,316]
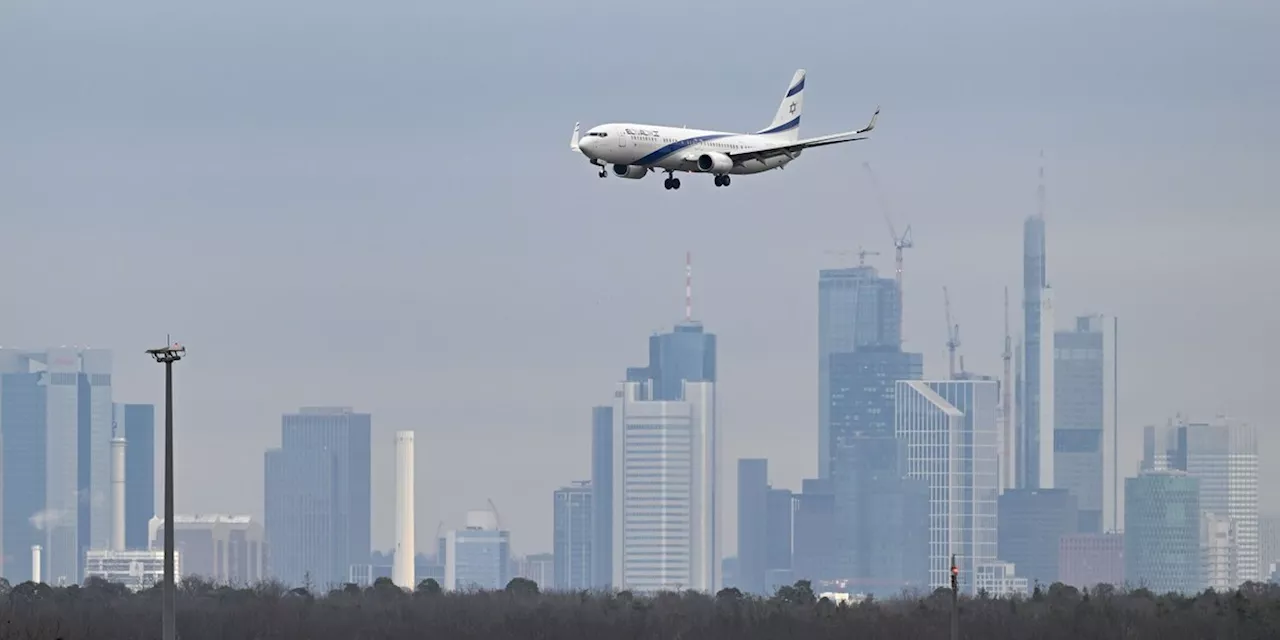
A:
[167,356]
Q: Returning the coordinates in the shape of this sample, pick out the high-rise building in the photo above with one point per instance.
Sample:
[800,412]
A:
[753,514]
[779,519]
[137,423]
[814,548]
[55,412]
[479,555]
[687,353]
[665,533]
[874,503]
[1224,457]
[1031,525]
[602,497]
[1083,418]
[572,537]
[950,432]
[1035,399]
[318,495]
[856,308]
[1162,531]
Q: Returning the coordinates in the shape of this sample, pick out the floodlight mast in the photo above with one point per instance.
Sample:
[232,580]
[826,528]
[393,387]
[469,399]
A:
[167,356]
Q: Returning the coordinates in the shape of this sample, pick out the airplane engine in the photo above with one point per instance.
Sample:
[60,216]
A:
[629,171]
[714,162]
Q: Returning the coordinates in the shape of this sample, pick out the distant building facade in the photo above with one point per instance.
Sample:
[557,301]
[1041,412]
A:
[1162,532]
[318,495]
[950,433]
[1086,560]
[1083,403]
[572,538]
[478,556]
[664,486]
[1032,523]
[224,549]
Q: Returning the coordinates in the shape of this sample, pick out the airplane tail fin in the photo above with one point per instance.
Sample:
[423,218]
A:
[786,122]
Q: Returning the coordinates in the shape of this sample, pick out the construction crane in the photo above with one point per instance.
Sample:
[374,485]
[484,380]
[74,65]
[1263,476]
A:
[953,334]
[497,519]
[900,242]
[861,253]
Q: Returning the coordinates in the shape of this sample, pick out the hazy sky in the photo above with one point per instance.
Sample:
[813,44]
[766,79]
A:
[374,204]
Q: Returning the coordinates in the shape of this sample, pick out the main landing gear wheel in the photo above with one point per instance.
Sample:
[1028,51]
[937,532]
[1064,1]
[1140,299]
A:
[722,181]
[671,183]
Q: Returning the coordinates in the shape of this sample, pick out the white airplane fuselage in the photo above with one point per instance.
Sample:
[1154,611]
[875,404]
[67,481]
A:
[636,150]
[669,148]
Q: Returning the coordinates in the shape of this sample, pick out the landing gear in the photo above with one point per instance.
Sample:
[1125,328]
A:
[671,183]
[722,181]
[603,173]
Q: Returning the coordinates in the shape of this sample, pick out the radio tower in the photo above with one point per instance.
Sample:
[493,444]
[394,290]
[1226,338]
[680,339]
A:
[688,286]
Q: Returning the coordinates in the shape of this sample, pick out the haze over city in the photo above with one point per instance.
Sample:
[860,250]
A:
[374,207]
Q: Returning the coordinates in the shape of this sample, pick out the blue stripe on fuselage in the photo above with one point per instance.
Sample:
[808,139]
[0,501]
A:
[669,149]
[790,124]
[796,89]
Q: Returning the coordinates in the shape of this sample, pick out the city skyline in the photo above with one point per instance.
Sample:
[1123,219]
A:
[487,308]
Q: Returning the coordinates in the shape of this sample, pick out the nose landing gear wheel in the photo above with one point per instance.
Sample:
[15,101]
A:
[602,173]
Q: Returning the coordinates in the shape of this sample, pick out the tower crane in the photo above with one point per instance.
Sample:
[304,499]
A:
[861,253]
[953,334]
[900,242]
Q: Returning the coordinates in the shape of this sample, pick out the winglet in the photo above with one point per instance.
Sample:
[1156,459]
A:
[870,125]
[573,142]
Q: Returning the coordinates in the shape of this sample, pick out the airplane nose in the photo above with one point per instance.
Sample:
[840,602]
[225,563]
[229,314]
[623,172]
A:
[586,143]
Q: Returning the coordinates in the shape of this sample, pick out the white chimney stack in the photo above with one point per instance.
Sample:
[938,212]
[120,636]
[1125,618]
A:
[117,493]
[35,563]
[402,571]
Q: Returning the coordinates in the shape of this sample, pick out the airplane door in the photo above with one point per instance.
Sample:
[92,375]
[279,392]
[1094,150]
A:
[622,138]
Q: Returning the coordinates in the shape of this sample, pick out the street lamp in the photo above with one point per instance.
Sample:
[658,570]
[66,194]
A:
[167,356]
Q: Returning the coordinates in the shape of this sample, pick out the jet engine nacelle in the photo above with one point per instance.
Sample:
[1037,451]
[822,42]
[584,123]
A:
[714,162]
[629,171]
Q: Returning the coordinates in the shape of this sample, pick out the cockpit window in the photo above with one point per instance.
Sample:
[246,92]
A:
[598,134]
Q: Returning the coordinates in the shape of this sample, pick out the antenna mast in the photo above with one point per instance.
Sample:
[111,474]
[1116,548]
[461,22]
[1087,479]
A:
[1040,198]
[688,286]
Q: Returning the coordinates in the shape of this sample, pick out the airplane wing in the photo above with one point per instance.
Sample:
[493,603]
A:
[790,148]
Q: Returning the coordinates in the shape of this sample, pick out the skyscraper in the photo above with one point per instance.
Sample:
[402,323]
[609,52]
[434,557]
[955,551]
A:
[1162,531]
[137,423]
[814,555]
[1082,417]
[950,432]
[1223,457]
[56,418]
[572,537]
[338,440]
[1035,402]
[687,353]
[874,504]
[665,534]
[856,308]
[753,505]
[602,497]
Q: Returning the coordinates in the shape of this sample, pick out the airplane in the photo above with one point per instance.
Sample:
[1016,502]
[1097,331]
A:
[635,150]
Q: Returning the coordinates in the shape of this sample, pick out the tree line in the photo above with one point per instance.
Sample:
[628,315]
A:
[99,610]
